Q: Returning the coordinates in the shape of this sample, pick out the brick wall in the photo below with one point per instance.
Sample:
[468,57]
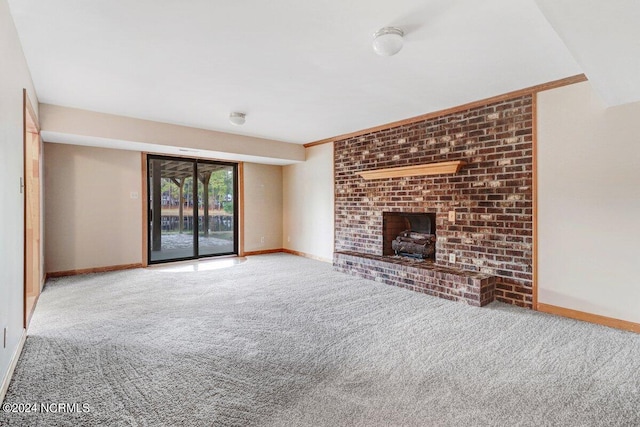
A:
[492,195]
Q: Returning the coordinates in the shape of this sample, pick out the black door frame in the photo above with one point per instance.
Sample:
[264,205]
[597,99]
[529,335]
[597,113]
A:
[196,220]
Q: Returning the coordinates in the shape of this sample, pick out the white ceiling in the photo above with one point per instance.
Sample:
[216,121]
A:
[301,70]
[604,38]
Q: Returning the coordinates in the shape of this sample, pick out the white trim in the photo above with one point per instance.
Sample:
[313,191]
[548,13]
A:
[12,366]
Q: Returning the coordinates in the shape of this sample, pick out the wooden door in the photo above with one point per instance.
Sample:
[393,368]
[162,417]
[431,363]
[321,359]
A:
[32,212]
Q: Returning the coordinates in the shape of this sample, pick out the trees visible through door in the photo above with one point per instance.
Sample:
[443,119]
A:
[187,220]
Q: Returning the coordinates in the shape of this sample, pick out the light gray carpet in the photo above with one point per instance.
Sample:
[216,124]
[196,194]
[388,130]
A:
[282,340]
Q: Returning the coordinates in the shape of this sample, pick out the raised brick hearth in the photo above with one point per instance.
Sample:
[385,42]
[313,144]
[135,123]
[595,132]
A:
[492,234]
[421,276]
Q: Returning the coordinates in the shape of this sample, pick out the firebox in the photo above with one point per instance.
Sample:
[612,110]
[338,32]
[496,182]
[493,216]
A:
[409,234]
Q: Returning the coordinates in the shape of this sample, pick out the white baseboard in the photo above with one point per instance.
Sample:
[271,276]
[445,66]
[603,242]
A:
[12,366]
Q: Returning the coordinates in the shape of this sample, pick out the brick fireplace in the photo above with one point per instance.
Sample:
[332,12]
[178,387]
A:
[482,215]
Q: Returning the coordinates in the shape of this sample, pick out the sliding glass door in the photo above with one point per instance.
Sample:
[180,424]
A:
[192,208]
[216,209]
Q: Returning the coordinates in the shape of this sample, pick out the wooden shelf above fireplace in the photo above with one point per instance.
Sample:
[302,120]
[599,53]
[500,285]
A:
[426,169]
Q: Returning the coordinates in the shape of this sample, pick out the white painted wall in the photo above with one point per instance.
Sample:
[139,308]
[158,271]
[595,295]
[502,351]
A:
[90,218]
[262,207]
[308,209]
[589,203]
[14,76]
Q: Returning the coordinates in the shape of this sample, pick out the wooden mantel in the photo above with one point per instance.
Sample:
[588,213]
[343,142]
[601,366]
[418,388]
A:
[426,169]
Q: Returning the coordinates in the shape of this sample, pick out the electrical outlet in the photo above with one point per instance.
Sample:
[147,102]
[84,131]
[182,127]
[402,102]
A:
[288,238]
[452,217]
[134,195]
[262,240]
[452,258]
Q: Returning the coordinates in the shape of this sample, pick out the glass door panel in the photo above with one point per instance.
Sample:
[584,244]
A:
[192,208]
[171,209]
[216,209]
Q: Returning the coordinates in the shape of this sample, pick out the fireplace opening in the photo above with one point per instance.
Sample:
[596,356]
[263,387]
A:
[409,234]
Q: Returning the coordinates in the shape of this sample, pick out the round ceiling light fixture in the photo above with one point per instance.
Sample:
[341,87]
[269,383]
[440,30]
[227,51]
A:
[237,119]
[387,41]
